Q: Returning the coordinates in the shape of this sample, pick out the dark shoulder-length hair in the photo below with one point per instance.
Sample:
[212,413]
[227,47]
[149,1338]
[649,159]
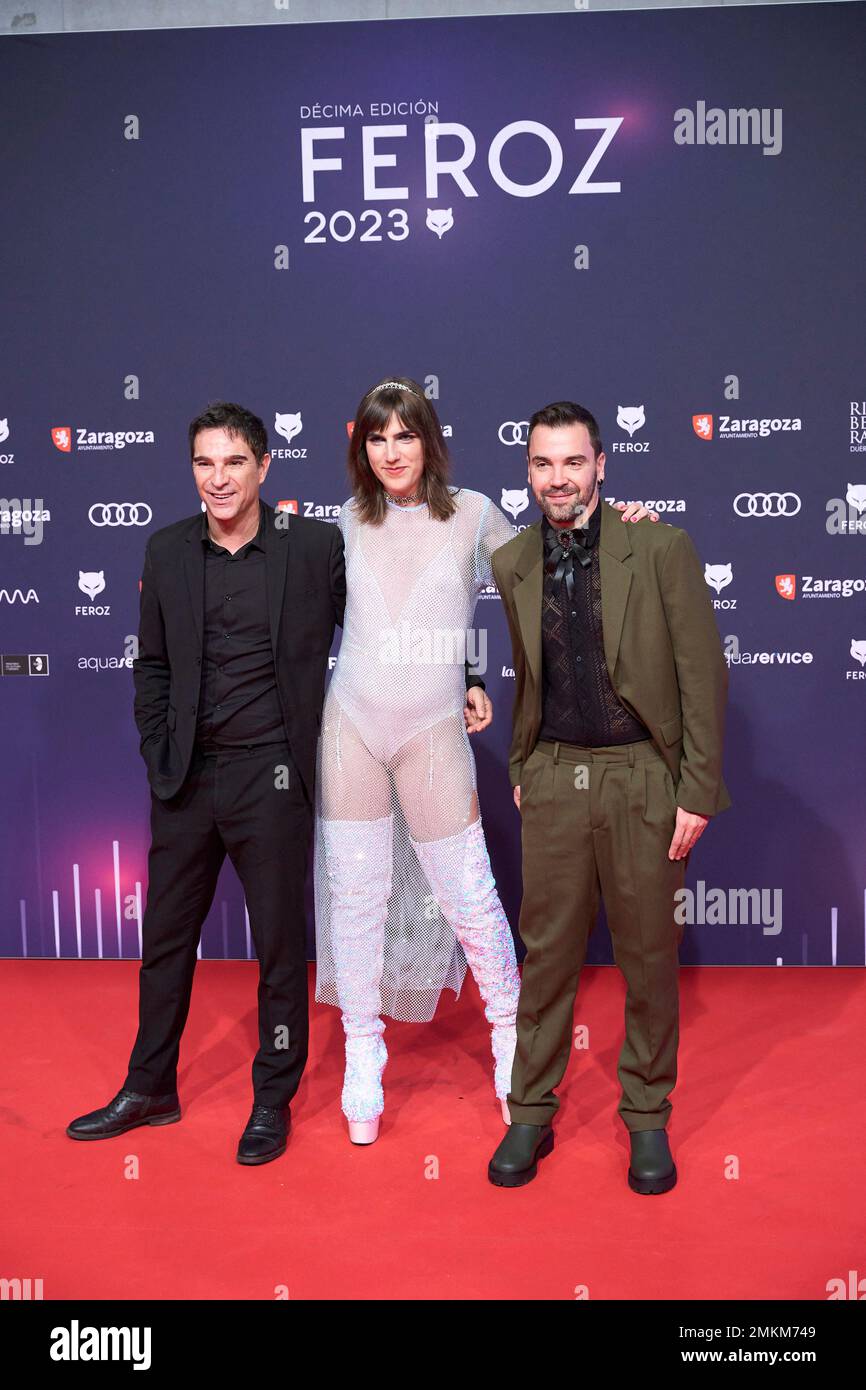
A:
[406,397]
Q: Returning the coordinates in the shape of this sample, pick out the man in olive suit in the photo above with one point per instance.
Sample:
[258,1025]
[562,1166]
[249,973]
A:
[616,764]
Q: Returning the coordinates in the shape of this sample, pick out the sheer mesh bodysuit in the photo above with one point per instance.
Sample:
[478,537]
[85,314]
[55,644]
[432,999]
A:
[403,888]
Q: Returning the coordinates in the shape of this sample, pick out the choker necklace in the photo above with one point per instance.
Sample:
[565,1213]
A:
[403,501]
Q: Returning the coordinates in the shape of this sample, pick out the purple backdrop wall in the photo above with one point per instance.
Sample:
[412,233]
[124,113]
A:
[686,270]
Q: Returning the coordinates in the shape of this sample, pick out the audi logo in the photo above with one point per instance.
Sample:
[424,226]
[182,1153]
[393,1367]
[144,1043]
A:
[120,514]
[767,504]
[514,431]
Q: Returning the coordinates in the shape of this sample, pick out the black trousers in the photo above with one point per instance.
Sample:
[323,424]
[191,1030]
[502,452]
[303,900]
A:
[248,803]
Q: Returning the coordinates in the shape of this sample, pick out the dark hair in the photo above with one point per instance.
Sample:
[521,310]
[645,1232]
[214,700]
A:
[406,397]
[235,420]
[566,413]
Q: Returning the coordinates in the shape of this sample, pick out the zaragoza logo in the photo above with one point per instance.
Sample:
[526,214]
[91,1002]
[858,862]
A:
[62,436]
[786,585]
[703,426]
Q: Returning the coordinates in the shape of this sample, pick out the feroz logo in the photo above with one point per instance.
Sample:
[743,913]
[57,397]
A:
[703,426]
[513,432]
[630,418]
[62,437]
[452,165]
[856,497]
[766,504]
[786,585]
[91,582]
[858,650]
[440,221]
[120,514]
[288,425]
[515,500]
[4,435]
[718,576]
[845,516]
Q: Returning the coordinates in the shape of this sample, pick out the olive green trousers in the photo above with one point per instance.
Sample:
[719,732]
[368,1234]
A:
[598,823]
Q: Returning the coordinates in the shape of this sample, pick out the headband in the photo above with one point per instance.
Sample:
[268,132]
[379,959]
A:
[392,386]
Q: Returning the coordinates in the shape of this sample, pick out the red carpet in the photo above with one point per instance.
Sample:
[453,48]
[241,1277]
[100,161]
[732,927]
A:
[771,1076]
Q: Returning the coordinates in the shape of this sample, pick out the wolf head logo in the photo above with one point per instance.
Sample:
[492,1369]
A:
[4,430]
[718,576]
[288,425]
[858,651]
[440,221]
[514,500]
[856,497]
[630,418]
[91,582]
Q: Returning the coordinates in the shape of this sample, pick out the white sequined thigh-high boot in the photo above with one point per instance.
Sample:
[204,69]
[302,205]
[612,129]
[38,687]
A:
[458,871]
[358,858]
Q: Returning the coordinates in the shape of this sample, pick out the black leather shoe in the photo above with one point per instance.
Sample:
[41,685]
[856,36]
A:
[265,1136]
[126,1111]
[516,1160]
[652,1168]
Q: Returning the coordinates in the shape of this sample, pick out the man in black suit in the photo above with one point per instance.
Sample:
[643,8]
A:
[238,610]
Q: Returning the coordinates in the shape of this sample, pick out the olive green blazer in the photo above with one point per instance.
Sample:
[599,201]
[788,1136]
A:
[661,645]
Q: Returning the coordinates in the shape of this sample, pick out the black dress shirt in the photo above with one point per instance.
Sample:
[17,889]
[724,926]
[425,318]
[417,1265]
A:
[239,702]
[579,705]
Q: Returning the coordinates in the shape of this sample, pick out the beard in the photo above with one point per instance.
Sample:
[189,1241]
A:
[570,507]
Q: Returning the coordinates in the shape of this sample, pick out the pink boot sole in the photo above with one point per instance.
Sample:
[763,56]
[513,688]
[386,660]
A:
[363,1131]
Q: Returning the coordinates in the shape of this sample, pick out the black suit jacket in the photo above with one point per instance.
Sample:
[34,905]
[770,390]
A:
[306,586]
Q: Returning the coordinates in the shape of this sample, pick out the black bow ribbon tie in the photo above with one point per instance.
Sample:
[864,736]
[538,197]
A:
[562,550]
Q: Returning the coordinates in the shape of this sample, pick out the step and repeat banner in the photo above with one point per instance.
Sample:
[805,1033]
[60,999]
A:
[659,215]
